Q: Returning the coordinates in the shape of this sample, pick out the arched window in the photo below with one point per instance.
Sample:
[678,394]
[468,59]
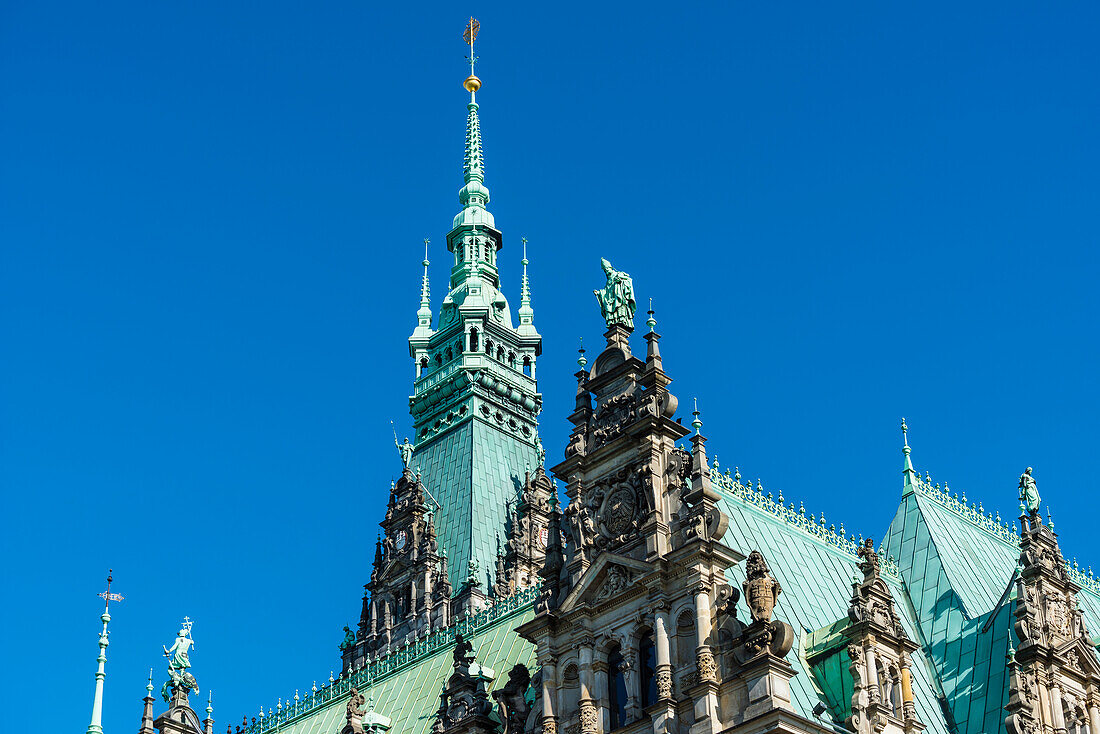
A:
[450,356]
[439,360]
[647,659]
[616,688]
[473,340]
[423,363]
[527,366]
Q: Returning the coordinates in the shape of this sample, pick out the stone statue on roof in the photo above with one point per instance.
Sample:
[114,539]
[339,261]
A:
[405,449]
[1029,493]
[617,303]
[178,663]
[353,715]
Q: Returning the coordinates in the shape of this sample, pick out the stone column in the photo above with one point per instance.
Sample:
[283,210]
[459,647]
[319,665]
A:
[1094,718]
[589,714]
[548,693]
[706,693]
[908,707]
[664,655]
[874,695]
[704,658]
[1057,715]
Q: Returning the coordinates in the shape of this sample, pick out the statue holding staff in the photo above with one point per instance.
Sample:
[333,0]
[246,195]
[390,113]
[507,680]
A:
[617,303]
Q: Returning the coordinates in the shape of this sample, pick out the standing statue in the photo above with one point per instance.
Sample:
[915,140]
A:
[354,713]
[1029,493]
[616,299]
[178,662]
[405,449]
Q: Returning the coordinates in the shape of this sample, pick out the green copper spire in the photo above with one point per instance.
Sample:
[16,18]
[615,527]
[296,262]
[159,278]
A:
[474,195]
[911,476]
[475,401]
[526,313]
[424,315]
[96,724]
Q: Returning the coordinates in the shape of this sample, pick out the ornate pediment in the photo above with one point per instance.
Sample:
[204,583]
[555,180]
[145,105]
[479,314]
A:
[1080,657]
[610,576]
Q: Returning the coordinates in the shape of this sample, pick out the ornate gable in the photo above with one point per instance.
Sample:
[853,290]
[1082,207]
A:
[610,577]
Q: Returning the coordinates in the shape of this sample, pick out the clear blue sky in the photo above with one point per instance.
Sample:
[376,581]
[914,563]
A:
[211,216]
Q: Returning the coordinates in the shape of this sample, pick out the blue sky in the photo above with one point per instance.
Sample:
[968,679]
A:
[211,217]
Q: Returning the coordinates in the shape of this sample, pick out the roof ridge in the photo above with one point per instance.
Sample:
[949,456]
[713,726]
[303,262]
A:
[379,669]
[1000,530]
[796,519]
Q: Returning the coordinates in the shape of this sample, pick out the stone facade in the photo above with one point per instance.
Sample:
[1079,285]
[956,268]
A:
[644,552]
[1055,673]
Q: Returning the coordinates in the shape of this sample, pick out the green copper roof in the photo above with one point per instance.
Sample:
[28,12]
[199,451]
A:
[474,470]
[827,655]
[815,567]
[956,562]
[406,684]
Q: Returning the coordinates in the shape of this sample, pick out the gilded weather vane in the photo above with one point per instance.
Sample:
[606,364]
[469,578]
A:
[469,35]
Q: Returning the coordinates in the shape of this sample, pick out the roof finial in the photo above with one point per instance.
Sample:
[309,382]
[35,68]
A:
[696,424]
[581,359]
[911,476]
[651,322]
[469,35]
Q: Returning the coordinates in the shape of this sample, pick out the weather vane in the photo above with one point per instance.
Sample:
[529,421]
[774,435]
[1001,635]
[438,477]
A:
[469,35]
[107,596]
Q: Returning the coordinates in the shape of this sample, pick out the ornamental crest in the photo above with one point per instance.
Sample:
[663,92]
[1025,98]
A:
[615,506]
[618,509]
[761,589]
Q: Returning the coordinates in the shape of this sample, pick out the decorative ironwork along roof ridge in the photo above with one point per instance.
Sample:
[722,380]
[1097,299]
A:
[992,525]
[375,671]
[798,519]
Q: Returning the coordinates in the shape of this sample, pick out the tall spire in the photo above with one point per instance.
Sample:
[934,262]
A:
[96,724]
[526,313]
[424,315]
[474,195]
[911,476]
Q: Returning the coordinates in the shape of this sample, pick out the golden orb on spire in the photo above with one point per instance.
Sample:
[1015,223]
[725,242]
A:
[472,83]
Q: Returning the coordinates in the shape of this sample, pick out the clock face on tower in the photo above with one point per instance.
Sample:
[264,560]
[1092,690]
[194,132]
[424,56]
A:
[401,539]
